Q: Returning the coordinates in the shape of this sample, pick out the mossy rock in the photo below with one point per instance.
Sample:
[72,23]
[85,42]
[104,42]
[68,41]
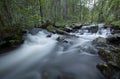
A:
[105,55]
[50,28]
[102,66]
[10,36]
[109,70]
[110,55]
[59,31]
[60,39]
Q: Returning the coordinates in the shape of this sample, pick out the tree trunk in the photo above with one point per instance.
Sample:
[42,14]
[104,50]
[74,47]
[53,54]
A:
[41,14]
[1,21]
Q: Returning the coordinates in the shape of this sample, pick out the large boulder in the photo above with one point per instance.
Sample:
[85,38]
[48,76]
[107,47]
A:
[76,26]
[59,31]
[114,39]
[110,55]
[10,38]
[111,67]
[91,28]
[115,31]
[68,29]
[100,41]
[109,70]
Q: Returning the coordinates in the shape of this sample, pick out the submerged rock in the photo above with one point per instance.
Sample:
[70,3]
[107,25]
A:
[49,35]
[62,39]
[100,41]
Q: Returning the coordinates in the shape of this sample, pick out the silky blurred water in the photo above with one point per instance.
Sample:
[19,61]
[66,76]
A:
[42,57]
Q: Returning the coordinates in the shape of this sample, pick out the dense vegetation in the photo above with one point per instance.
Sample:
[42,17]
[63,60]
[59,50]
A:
[34,12]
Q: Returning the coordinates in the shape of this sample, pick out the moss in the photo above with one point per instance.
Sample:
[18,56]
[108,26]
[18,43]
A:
[50,28]
[10,36]
[105,55]
[60,31]
[102,66]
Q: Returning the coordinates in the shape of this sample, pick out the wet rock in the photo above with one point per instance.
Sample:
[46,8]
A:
[25,31]
[59,31]
[110,56]
[91,29]
[100,41]
[49,36]
[113,27]
[88,48]
[76,26]
[72,28]
[68,29]
[105,55]
[33,31]
[109,70]
[62,39]
[10,38]
[115,32]
[8,45]
[114,39]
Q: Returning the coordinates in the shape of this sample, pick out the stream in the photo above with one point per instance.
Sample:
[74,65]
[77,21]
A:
[42,57]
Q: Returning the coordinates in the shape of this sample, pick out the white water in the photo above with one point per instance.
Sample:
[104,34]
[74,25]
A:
[34,49]
[40,53]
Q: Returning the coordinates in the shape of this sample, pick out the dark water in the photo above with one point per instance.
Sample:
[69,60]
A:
[41,57]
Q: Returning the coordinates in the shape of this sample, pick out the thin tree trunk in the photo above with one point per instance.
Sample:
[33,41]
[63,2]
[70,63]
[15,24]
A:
[41,14]
[7,12]
[1,21]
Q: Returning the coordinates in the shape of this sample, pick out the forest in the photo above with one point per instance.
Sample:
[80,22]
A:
[25,22]
[32,12]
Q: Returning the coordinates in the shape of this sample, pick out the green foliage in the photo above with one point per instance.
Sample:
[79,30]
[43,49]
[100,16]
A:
[29,13]
[117,23]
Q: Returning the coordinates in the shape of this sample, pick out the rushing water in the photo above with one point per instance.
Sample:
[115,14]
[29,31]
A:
[42,57]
